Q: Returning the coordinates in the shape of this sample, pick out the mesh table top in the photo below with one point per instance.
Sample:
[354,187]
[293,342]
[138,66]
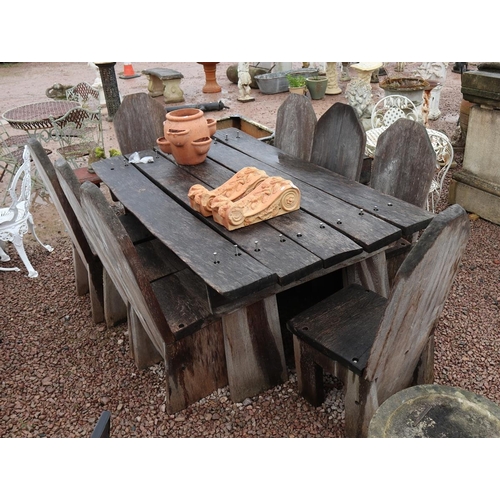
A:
[37,115]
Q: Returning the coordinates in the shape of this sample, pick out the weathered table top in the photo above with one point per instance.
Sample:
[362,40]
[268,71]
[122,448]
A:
[340,221]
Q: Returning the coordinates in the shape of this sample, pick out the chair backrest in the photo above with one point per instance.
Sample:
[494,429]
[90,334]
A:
[60,199]
[416,301]
[79,125]
[295,123]
[138,123]
[122,262]
[20,194]
[392,108]
[85,94]
[404,162]
[339,141]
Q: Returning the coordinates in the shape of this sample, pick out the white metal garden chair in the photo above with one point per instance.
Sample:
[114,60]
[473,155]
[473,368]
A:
[16,219]
[85,94]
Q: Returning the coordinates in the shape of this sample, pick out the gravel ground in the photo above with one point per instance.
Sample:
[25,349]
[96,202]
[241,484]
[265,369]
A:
[59,371]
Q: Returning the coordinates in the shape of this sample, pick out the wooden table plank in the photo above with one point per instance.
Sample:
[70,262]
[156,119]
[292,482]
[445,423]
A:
[403,215]
[181,231]
[368,231]
[289,261]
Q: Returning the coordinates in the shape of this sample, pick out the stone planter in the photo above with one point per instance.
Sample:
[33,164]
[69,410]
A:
[408,86]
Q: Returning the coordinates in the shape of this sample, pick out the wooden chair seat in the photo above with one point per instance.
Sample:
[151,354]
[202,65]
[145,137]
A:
[383,345]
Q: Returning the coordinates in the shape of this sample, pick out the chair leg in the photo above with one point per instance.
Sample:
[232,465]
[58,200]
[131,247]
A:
[31,228]
[115,309]
[142,349]
[371,273]
[19,246]
[361,402]
[95,273]
[4,257]
[81,274]
[309,373]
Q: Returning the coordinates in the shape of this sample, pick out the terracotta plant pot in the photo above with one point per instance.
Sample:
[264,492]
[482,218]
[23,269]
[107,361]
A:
[187,135]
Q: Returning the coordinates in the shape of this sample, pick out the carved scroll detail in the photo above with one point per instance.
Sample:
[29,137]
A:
[236,187]
[272,197]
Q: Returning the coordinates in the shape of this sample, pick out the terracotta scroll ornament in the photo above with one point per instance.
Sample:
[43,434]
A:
[273,196]
[238,186]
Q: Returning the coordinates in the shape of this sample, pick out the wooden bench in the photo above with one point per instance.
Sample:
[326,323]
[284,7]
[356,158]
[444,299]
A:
[166,82]
[169,316]
[380,346]
[90,276]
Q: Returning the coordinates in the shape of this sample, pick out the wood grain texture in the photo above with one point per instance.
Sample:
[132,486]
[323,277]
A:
[387,344]
[339,141]
[138,122]
[254,349]
[404,162]
[295,125]
[400,213]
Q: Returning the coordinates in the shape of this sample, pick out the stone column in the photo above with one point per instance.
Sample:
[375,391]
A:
[477,185]
[333,84]
[110,87]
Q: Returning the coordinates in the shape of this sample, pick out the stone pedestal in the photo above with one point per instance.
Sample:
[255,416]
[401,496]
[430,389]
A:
[477,186]
[333,84]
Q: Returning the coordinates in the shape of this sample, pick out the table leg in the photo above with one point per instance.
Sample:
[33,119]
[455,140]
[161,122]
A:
[254,349]
[370,273]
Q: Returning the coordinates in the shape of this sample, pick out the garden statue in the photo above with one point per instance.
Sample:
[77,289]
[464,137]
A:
[244,81]
[359,95]
[434,72]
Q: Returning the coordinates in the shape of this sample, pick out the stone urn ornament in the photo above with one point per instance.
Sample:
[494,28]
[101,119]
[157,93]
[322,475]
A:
[187,135]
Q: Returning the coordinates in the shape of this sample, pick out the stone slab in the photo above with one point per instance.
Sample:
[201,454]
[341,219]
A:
[474,200]
[482,87]
[482,147]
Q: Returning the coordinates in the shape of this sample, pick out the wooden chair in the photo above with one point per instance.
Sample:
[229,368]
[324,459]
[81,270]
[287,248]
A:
[89,274]
[169,317]
[384,345]
[404,162]
[138,123]
[295,123]
[339,141]
[403,167]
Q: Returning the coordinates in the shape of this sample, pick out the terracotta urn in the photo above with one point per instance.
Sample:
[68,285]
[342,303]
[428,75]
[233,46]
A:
[187,135]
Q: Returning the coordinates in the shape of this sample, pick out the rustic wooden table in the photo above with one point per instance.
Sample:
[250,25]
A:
[340,223]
